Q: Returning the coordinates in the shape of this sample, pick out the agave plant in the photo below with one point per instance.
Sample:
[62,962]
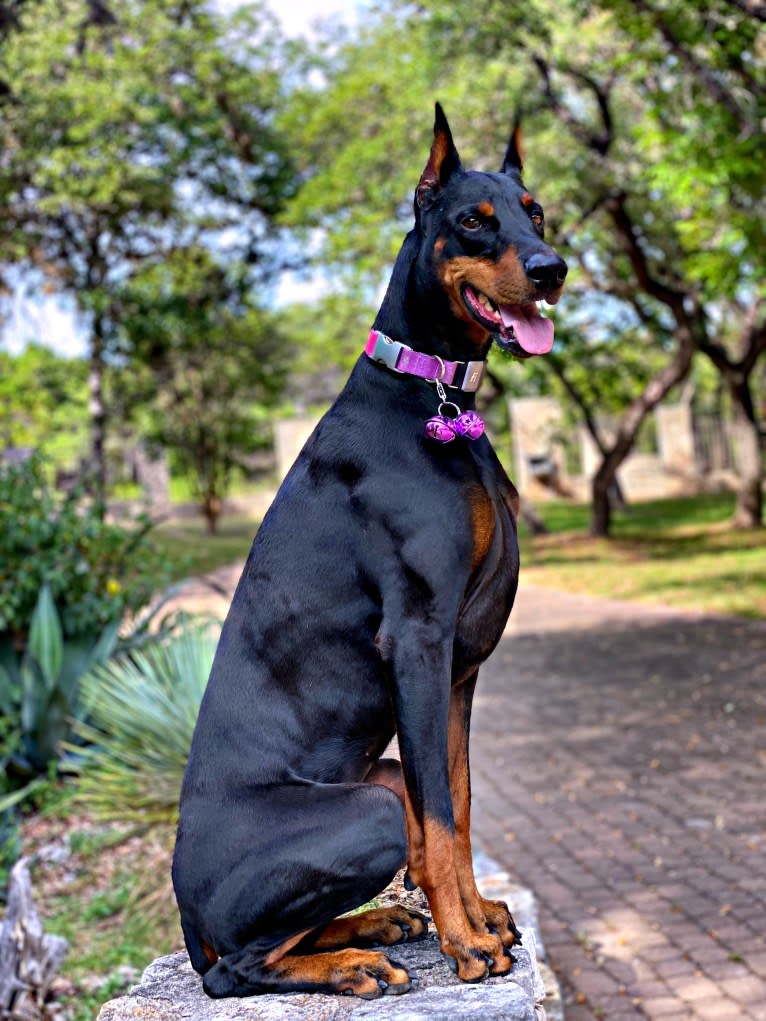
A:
[40,690]
[141,710]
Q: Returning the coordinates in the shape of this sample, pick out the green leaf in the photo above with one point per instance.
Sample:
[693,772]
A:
[11,800]
[142,711]
[35,695]
[45,638]
[10,692]
[52,728]
[9,661]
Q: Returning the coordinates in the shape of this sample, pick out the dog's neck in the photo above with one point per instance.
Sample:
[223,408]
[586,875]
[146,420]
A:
[415,311]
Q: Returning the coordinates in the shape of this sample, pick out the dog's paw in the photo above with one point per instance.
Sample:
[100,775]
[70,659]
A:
[376,927]
[500,921]
[477,956]
[371,975]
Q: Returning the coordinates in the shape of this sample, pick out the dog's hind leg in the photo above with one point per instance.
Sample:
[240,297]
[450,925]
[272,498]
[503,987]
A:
[300,855]
[364,973]
[378,926]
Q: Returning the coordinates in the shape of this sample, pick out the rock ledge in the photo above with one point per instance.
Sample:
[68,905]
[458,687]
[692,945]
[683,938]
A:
[171,991]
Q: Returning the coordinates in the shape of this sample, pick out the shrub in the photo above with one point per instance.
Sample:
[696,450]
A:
[96,570]
[10,841]
[41,689]
[142,709]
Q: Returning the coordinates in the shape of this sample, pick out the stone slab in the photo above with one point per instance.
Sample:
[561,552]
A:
[171,991]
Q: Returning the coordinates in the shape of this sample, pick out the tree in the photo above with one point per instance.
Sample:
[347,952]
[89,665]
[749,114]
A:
[43,402]
[129,130]
[202,368]
[641,212]
[705,103]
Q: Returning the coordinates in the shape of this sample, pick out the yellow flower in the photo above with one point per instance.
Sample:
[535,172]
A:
[113,587]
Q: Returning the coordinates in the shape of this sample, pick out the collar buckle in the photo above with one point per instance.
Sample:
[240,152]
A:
[386,351]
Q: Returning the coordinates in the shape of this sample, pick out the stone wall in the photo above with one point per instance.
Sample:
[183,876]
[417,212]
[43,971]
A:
[540,471]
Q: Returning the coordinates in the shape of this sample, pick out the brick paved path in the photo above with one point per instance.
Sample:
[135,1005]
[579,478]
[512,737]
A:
[619,770]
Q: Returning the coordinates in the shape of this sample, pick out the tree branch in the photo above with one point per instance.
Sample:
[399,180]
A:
[753,8]
[649,283]
[599,143]
[703,74]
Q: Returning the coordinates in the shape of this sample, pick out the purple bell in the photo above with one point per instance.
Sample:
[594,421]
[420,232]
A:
[441,429]
[469,424]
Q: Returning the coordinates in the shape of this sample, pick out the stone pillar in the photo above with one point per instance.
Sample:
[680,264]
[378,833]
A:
[675,439]
[153,475]
[536,423]
[290,435]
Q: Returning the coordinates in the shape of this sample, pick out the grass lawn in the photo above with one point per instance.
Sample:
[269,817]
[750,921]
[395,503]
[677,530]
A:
[679,552]
[196,551]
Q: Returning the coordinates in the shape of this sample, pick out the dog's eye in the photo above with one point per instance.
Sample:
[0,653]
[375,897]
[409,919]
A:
[470,222]
[536,216]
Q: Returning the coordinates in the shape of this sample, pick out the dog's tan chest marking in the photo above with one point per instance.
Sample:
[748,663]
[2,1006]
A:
[482,524]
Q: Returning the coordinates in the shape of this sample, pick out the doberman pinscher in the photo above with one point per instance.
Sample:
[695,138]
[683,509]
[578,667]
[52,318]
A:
[380,580]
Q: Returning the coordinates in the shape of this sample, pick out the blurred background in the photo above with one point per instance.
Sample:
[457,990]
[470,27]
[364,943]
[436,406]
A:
[200,203]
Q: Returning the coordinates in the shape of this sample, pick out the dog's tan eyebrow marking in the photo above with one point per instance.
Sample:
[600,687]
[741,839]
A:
[527,200]
[486,209]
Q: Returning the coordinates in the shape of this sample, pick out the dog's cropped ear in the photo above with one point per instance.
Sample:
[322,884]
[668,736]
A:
[513,163]
[442,163]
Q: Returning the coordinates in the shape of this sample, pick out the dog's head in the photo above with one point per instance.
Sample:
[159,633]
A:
[483,239]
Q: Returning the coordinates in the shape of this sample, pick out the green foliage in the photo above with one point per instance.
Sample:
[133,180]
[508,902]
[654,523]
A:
[43,402]
[653,193]
[42,689]
[150,97]
[96,571]
[129,131]
[326,337]
[142,710]
[207,367]
[10,841]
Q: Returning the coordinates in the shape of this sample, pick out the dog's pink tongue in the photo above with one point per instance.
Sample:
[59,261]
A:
[532,331]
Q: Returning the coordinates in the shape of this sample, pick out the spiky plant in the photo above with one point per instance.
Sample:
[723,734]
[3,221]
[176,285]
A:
[141,714]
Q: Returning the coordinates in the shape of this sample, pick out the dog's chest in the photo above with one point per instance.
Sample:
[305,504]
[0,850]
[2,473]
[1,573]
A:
[494,575]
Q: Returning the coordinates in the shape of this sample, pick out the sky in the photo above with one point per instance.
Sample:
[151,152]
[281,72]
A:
[52,319]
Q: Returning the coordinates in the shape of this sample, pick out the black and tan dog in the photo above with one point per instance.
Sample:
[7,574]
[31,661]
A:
[381,579]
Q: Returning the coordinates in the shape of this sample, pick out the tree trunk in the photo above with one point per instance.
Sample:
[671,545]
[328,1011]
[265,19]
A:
[737,375]
[97,411]
[602,488]
[532,519]
[29,959]
[614,490]
[748,512]
[211,509]
[605,478]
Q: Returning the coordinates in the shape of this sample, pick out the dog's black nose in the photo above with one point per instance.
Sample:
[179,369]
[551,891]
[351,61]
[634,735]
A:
[546,269]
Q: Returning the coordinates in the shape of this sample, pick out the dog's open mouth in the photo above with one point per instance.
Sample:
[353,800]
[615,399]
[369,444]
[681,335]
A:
[518,329]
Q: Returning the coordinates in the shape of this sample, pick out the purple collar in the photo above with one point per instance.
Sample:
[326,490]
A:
[458,375]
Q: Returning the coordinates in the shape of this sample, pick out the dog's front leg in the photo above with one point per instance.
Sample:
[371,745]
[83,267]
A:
[419,656]
[485,915]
